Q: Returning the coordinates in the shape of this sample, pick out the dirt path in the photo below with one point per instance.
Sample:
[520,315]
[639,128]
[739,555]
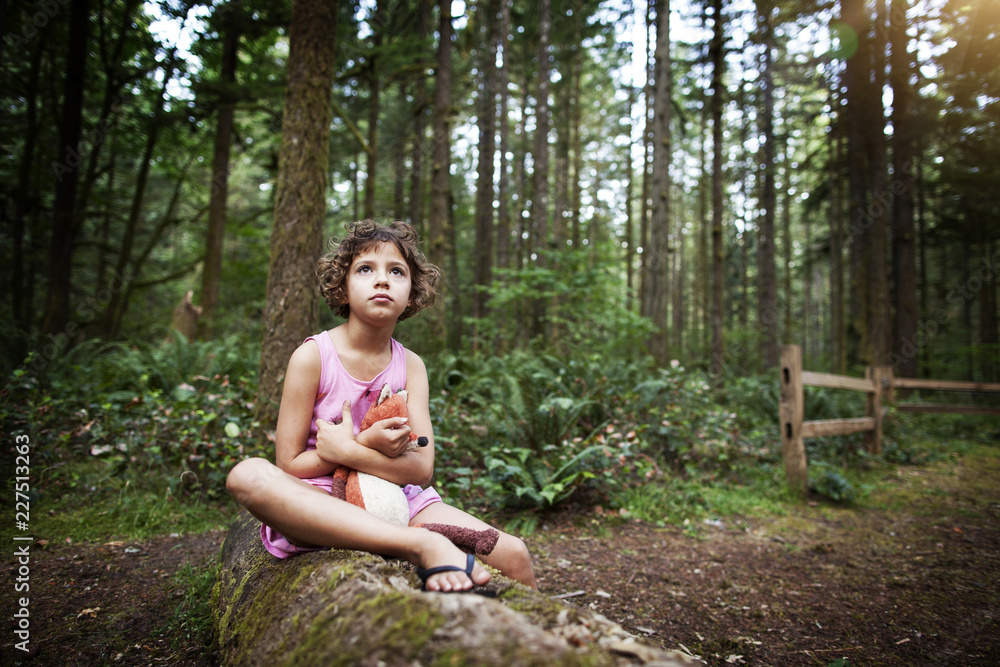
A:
[914,583]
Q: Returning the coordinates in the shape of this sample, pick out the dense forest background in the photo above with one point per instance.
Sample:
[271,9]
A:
[701,181]
[634,204]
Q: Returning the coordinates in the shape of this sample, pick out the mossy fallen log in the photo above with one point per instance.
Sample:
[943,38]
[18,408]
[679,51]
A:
[350,608]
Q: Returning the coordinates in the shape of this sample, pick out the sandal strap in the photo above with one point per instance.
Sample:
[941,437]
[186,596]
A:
[429,572]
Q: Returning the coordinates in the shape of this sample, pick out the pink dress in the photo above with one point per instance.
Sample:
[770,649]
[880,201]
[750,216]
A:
[336,385]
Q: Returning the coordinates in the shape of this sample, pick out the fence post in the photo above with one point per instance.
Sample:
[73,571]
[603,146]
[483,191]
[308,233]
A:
[879,377]
[793,450]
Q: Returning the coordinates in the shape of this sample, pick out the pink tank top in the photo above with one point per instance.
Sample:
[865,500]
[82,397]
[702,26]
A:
[336,385]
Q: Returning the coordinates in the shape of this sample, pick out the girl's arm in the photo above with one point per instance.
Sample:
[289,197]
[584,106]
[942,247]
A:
[414,467]
[298,398]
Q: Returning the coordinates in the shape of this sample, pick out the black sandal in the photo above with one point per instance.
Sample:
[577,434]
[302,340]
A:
[470,563]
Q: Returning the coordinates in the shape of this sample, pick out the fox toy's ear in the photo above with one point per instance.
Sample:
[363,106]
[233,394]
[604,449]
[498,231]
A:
[384,394]
[402,394]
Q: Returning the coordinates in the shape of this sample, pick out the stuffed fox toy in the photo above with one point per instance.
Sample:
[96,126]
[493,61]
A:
[385,499]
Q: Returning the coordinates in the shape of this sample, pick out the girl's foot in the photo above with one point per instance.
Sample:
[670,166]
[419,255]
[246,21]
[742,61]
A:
[438,552]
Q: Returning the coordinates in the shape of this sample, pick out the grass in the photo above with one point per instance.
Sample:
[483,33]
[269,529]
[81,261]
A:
[845,482]
[192,619]
[86,502]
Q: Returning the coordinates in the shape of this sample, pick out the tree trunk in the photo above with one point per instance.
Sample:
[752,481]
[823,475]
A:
[680,290]
[417,151]
[561,173]
[767,305]
[219,192]
[66,166]
[375,90]
[437,232]
[291,312]
[127,274]
[904,259]
[503,197]
[483,269]
[540,183]
[629,206]
[21,307]
[786,247]
[882,194]
[399,161]
[718,254]
[704,322]
[989,336]
[856,72]
[349,607]
[647,149]
[838,360]
[576,145]
[658,264]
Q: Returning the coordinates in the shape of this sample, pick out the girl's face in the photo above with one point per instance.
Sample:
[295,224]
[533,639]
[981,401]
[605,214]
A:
[378,284]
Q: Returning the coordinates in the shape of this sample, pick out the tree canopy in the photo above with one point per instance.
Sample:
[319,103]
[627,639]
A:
[591,177]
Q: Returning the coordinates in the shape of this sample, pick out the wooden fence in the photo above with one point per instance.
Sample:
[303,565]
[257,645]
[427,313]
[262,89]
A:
[880,387]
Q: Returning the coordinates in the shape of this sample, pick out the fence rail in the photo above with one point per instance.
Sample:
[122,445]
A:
[879,385]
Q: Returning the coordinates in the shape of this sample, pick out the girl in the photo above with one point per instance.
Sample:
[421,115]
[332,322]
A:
[375,277]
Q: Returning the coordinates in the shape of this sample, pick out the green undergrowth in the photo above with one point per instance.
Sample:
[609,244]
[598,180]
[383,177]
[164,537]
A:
[191,620]
[134,441]
[84,503]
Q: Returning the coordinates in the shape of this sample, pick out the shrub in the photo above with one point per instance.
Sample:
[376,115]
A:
[169,410]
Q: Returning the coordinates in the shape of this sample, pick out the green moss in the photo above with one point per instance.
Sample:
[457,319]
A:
[338,606]
[391,625]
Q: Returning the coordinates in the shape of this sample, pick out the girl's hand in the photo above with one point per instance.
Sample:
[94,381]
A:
[391,437]
[335,442]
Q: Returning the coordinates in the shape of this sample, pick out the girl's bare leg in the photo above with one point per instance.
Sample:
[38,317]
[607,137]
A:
[510,555]
[308,516]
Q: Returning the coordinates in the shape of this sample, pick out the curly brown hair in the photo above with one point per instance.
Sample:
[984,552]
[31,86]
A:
[364,235]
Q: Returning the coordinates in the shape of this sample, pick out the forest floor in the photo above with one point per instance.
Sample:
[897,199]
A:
[909,576]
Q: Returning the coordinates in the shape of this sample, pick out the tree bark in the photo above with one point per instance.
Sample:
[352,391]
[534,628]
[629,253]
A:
[540,157]
[503,258]
[20,306]
[348,607]
[647,151]
[483,269]
[576,147]
[718,254]
[704,280]
[417,150]
[856,72]
[838,359]
[375,90]
[215,234]
[904,259]
[788,331]
[66,166]
[437,229]
[658,264]
[989,338]
[882,194]
[127,274]
[629,168]
[767,305]
[291,311]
